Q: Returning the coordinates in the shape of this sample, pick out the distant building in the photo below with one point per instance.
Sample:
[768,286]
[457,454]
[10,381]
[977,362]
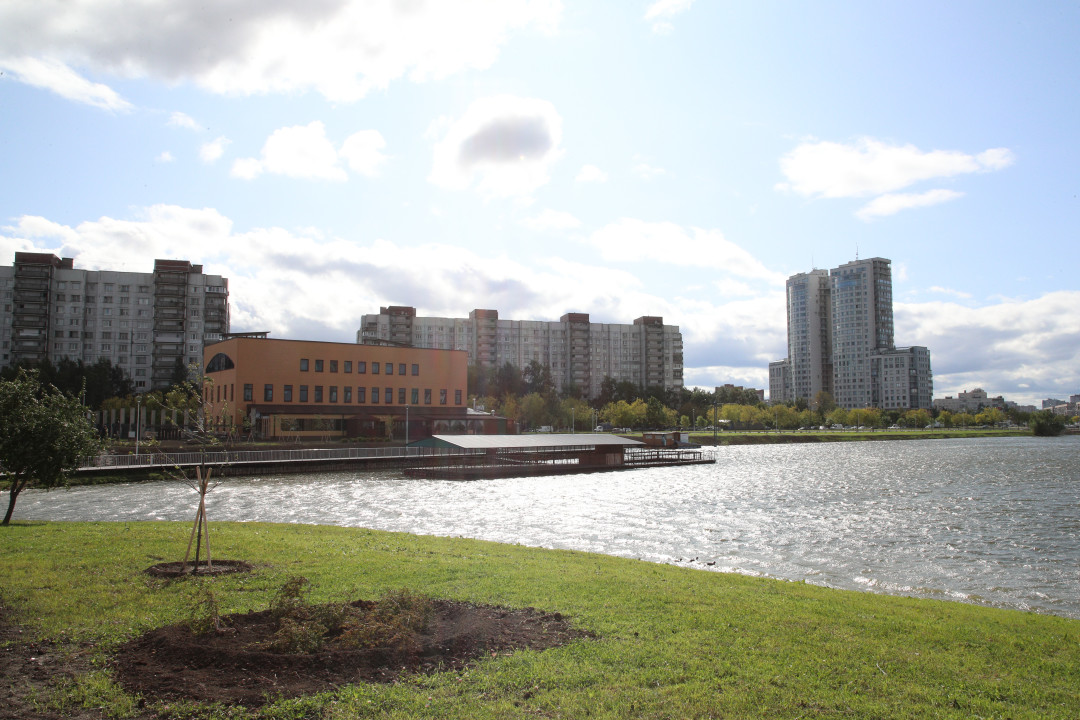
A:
[151,325]
[297,389]
[780,390]
[840,341]
[578,352]
[969,402]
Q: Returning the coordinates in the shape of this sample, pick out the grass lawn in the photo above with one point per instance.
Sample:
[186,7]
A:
[671,642]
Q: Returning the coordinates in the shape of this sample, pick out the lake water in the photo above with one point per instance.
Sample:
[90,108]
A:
[994,521]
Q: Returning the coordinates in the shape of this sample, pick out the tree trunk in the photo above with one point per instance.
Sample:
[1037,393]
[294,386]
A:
[17,486]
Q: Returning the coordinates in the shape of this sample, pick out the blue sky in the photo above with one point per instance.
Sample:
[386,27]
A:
[679,158]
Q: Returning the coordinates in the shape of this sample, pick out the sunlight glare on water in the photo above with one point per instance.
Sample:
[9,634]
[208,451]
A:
[993,521]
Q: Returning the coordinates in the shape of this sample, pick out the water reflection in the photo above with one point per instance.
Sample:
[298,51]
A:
[993,521]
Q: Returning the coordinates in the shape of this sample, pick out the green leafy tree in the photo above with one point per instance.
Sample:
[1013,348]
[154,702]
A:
[44,433]
[837,416]
[1046,423]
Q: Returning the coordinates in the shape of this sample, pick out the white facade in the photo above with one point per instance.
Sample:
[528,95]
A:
[144,323]
[578,352]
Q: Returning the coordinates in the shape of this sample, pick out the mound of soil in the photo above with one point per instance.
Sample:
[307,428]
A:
[231,667]
[181,569]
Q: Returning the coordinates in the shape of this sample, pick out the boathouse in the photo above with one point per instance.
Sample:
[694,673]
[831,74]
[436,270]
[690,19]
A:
[471,457]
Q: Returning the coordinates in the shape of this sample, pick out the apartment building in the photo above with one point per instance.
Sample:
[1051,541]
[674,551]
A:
[578,352]
[148,324]
[809,334]
[301,388]
[840,341]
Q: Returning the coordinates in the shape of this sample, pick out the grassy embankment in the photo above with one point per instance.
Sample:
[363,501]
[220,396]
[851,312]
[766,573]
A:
[673,642]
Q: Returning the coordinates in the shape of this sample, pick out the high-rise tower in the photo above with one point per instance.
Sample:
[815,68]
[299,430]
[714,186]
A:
[862,322]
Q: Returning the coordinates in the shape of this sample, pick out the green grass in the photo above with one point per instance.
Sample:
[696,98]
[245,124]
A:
[672,642]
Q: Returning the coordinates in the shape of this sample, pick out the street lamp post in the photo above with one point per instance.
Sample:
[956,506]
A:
[138,417]
[406,429]
[573,419]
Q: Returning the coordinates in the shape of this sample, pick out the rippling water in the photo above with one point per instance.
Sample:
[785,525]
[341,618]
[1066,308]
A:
[994,521]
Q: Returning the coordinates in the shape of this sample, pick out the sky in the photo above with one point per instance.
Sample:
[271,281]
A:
[678,158]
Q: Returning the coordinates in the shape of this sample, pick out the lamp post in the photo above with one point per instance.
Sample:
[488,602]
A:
[406,429]
[573,420]
[138,417]
[715,420]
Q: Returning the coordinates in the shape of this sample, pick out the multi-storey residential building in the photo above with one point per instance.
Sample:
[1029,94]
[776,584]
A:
[809,315]
[147,324]
[969,402]
[862,322]
[578,352]
[840,341]
[780,382]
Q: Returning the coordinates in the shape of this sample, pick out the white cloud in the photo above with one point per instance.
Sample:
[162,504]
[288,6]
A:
[183,120]
[363,152]
[591,174]
[304,152]
[892,203]
[211,152]
[660,13]
[53,75]
[869,167]
[631,240]
[645,171]
[1015,347]
[949,291]
[552,220]
[504,144]
[246,168]
[165,157]
[342,49]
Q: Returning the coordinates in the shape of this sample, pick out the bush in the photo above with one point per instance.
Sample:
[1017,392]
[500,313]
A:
[391,622]
[1046,423]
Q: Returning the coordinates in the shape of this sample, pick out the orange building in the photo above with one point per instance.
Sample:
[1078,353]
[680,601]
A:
[299,388]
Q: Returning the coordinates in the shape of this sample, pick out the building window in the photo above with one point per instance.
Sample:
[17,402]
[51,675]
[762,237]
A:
[442,397]
[361,395]
[249,392]
[361,367]
[318,366]
[318,393]
[303,393]
[374,368]
[427,396]
[348,366]
[401,396]
[333,393]
[286,393]
[268,393]
[389,368]
[348,395]
[303,364]
[416,396]
[415,369]
[401,369]
[333,366]
[375,395]
[457,397]
[388,396]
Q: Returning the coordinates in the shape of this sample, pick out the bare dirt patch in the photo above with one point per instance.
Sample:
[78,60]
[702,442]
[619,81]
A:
[182,569]
[234,666]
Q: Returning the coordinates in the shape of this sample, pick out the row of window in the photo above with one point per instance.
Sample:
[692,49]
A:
[334,394]
[361,367]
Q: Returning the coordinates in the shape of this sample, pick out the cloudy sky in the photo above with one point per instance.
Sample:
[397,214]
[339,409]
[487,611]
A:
[678,158]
